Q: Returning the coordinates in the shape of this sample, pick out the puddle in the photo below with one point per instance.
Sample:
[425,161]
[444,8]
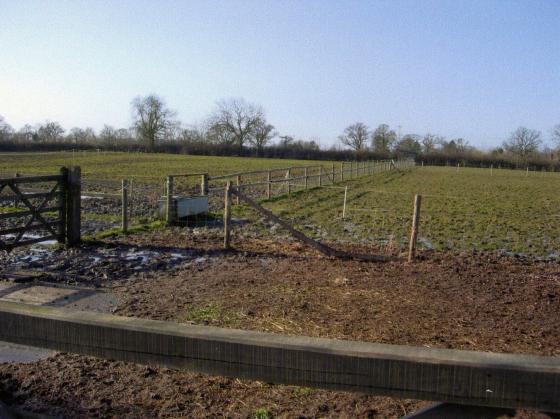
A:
[426,243]
[29,236]
[86,197]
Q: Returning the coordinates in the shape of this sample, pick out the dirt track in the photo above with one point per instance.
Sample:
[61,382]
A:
[468,301]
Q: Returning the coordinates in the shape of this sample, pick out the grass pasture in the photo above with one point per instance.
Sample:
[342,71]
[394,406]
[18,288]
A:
[461,210]
[147,167]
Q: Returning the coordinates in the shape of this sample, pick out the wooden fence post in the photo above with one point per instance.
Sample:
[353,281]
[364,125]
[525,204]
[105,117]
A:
[16,200]
[288,180]
[333,173]
[351,170]
[63,194]
[204,184]
[124,202]
[238,183]
[169,213]
[268,185]
[491,169]
[414,232]
[130,196]
[305,177]
[342,172]
[73,206]
[320,176]
[227,215]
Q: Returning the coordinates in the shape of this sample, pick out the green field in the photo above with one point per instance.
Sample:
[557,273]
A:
[461,210]
[141,166]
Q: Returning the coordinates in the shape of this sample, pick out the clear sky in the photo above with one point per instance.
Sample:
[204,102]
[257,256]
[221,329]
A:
[475,69]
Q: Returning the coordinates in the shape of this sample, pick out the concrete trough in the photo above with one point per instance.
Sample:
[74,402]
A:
[185,206]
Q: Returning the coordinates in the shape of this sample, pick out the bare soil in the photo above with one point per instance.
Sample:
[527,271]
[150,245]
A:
[482,302]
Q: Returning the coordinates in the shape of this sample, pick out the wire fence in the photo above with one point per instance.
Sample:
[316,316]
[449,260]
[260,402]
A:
[371,213]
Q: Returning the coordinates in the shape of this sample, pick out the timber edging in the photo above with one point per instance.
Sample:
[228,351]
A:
[463,377]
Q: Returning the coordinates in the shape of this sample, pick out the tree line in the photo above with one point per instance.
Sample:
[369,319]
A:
[240,128]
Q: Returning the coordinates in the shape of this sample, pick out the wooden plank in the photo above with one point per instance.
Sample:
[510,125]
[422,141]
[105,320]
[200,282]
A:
[35,209]
[28,195]
[29,179]
[188,174]
[32,227]
[17,214]
[297,234]
[463,377]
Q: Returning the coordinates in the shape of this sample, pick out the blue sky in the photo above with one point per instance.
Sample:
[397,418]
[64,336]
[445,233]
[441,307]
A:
[475,69]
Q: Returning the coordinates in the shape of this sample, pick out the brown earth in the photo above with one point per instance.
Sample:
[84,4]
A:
[480,302]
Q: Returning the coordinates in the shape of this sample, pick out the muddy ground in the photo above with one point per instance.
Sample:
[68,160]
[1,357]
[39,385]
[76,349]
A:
[483,302]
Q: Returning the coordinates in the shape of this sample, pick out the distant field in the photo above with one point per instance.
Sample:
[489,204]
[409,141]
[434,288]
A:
[147,166]
[461,210]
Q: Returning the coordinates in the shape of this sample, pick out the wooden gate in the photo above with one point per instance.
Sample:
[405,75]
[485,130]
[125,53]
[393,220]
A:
[35,209]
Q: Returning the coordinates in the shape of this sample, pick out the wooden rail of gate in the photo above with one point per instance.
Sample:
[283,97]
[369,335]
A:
[55,210]
[453,376]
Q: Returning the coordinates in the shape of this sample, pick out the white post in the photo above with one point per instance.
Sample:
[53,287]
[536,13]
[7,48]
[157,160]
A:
[344,206]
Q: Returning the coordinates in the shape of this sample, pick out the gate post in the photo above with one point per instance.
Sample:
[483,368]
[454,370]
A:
[73,206]
[62,199]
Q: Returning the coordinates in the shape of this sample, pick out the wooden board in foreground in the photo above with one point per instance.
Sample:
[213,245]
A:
[475,378]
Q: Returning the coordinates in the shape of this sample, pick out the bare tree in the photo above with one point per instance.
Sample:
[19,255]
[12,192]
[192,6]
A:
[409,145]
[523,142]
[355,136]
[383,139]
[262,134]
[219,134]
[429,143]
[27,133]
[50,132]
[235,120]
[556,135]
[152,119]
[286,141]
[108,135]
[81,136]
[5,129]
